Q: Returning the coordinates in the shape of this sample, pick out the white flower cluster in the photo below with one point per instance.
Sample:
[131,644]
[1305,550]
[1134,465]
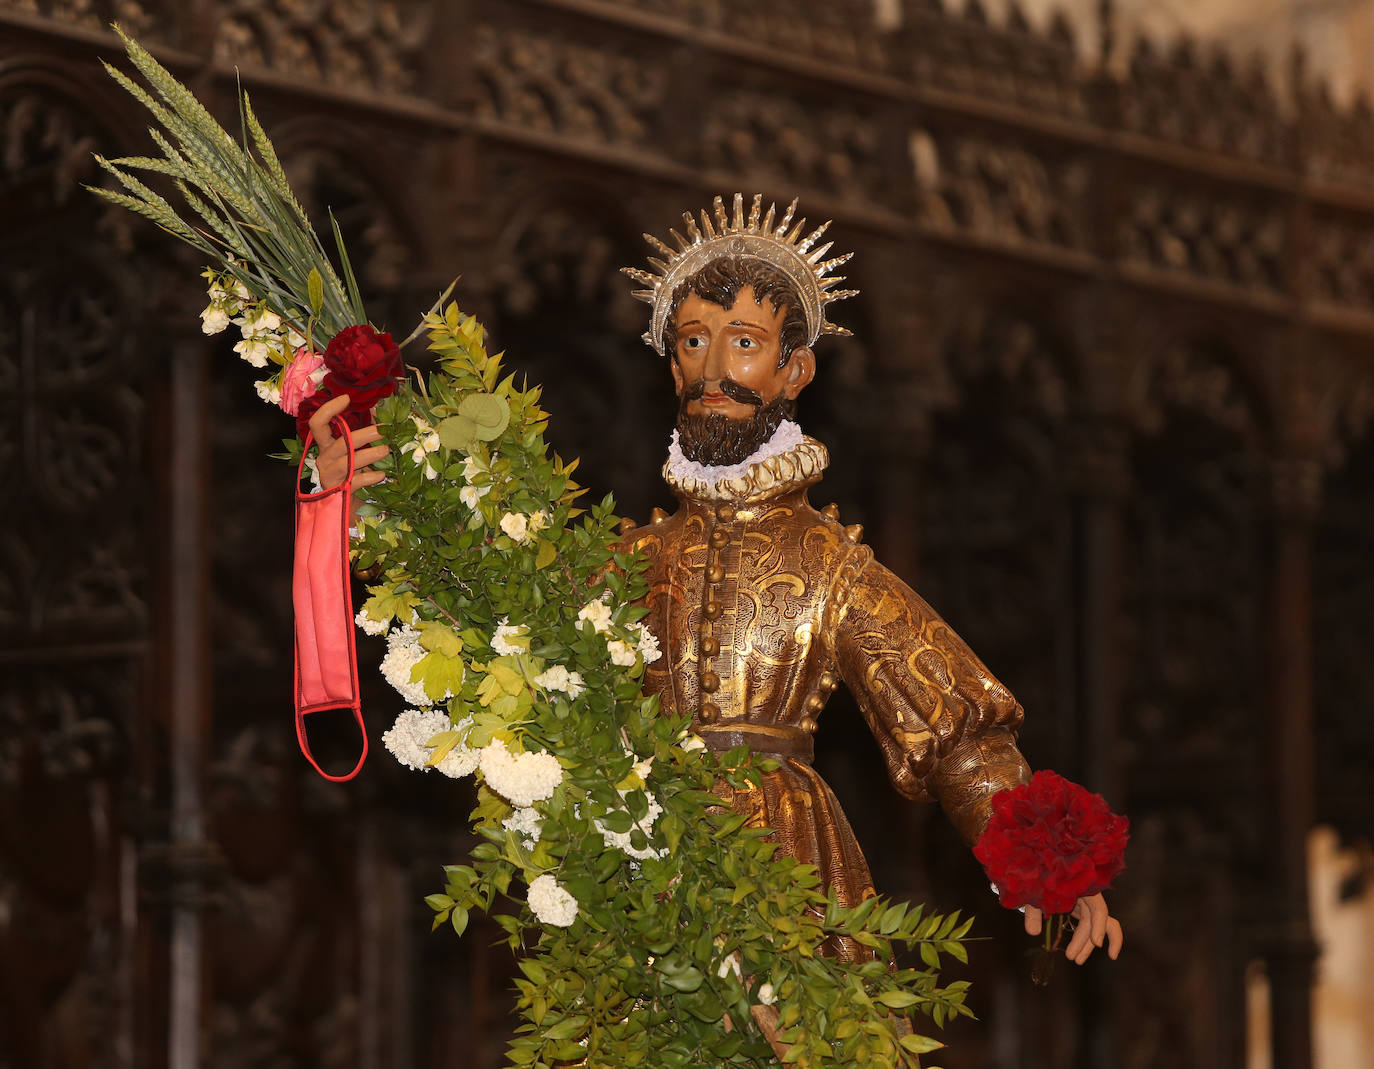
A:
[622,652]
[525,822]
[265,335]
[407,737]
[522,779]
[370,626]
[403,652]
[598,612]
[550,903]
[501,641]
[422,447]
[469,495]
[521,528]
[460,761]
[621,839]
[559,678]
[225,302]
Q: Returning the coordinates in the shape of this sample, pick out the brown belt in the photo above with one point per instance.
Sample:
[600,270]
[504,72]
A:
[768,740]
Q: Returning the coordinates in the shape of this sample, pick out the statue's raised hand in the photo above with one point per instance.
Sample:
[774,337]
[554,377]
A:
[332,461]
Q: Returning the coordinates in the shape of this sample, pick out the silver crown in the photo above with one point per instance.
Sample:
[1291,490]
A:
[757,237]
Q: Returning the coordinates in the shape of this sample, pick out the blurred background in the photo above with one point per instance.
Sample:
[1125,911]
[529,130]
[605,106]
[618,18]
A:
[1107,406]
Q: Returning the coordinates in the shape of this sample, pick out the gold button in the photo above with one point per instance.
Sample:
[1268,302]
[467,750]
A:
[710,682]
[828,681]
[726,513]
[719,538]
[815,703]
[709,646]
[809,725]
[715,573]
[710,713]
[712,610]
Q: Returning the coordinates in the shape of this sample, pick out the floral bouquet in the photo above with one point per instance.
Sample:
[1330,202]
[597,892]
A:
[654,928]
[1049,843]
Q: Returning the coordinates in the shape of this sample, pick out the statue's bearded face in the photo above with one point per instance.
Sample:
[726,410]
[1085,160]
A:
[732,392]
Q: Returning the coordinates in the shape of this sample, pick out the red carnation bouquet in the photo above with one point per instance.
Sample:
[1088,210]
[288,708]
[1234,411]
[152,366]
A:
[360,362]
[1049,843]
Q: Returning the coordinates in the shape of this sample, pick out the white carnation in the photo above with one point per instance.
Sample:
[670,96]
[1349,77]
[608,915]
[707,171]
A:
[469,496]
[622,653]
[407,737]
[550,903]
[269,391]
[517,526]
[767,995]
[559,678]
[648,644]
[598,612]
[522,779]
[527,823]
[501,641]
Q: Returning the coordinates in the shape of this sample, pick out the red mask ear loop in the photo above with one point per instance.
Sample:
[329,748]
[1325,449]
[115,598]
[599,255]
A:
[322,594]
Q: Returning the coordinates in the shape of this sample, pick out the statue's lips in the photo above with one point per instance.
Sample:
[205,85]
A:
[715,399]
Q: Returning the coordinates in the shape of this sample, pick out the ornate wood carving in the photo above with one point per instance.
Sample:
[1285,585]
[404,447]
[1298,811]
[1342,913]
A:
[352,46]
[1204,102]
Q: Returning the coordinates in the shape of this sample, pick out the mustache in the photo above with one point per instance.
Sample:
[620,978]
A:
[732,389]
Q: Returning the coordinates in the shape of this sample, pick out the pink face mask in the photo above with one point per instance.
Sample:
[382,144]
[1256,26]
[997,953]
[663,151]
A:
[326,654]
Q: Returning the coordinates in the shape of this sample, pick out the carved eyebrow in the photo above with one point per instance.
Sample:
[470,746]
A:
[690,323]
[747,323]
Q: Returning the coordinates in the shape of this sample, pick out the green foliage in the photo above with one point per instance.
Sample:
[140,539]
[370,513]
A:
[644,975]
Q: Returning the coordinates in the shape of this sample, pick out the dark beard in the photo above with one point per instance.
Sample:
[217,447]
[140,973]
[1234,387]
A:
[717,440]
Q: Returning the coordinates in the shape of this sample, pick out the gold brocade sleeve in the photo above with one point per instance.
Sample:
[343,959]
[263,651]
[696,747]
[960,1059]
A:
[946,726]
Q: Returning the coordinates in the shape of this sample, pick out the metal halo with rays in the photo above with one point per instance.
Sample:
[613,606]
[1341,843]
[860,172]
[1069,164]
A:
[759,236]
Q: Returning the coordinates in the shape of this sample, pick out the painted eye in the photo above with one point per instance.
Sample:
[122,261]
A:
[694,341]
[747,342]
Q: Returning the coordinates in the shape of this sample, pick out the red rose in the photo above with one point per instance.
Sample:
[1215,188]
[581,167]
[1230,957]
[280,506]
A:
[361,363]
[1051,842]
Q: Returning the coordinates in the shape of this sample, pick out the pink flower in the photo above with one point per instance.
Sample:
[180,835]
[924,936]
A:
[301,380]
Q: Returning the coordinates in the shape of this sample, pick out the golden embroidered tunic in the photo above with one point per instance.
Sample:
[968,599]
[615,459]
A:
[762,606]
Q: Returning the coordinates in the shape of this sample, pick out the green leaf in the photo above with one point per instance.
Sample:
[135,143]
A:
[315,286]
[490,415]
[457,432]
[920,1044]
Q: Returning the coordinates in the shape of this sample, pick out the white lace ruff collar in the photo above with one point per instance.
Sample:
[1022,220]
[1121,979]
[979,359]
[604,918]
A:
[787,457]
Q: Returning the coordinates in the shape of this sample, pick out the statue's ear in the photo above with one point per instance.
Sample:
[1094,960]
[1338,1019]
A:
[801,369]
